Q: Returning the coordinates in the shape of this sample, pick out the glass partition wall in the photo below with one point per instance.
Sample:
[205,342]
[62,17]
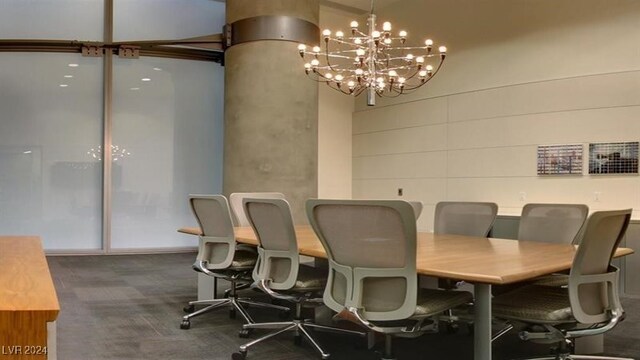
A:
[161,118]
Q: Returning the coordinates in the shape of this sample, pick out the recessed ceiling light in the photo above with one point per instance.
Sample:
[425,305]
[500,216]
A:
[157,69]
[145,79]
[68,76]
[135,88]
[73,65]
[27,152]
[63,85]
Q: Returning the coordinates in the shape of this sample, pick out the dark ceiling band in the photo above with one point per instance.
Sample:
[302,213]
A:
[286,28]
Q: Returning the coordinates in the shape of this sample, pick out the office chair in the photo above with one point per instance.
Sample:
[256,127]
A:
[218,257]
[280,274]
[417,208]
[371,247]
[235,200]
[462,218]
[589,306]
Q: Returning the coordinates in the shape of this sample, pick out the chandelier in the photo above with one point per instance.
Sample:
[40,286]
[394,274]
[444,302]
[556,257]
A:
[377,62]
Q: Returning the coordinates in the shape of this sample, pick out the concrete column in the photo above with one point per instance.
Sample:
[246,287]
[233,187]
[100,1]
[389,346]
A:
[271,110]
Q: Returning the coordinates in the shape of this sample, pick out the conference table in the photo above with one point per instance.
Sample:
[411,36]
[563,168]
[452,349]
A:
[481,261]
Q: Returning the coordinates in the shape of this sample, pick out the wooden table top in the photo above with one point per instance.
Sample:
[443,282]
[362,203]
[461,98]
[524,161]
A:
[473,259]
[25,280]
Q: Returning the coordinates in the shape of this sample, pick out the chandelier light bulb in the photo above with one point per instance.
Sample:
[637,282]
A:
[372,60]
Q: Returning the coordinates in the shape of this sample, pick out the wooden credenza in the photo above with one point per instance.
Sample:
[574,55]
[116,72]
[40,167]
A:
[28,301]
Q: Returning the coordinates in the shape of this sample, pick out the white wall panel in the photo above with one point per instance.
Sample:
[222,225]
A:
[413,165]
[587,92]
[424,112]
[579,126]
[425,138]
[492,162]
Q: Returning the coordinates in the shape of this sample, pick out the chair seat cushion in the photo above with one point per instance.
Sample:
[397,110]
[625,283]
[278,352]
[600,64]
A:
[434,301]
[534,303]
[243,259]
[552,280]
[310,279]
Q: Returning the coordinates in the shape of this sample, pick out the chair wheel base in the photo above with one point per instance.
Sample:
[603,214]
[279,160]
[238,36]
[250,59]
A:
[185,325]
[244,333]
[239,356]
[189,309]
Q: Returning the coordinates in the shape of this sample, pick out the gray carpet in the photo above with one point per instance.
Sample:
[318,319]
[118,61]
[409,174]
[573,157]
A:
[130,307]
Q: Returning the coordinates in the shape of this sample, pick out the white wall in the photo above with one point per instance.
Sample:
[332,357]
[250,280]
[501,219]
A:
[520,73]
[334,125]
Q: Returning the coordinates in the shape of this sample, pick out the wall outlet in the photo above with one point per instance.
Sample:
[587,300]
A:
[596,196]
[400,191]
[522,196]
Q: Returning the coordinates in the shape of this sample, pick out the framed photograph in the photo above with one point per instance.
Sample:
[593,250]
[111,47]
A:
[613,158]
[560,159]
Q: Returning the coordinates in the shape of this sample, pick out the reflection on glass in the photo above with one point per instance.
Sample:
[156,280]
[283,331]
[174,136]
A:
[54,20]
[171,128]
[155,20]
[48,186]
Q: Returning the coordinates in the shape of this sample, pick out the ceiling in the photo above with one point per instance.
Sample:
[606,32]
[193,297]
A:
[357,6]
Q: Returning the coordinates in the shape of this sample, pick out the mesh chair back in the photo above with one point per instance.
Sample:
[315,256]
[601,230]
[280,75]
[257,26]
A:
[240,218]
[278,249]
[556,223]
[591,295]
[371,246]
[417,208]
[217,242]
[464,218]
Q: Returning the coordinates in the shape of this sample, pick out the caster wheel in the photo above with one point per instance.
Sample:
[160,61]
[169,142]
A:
[284,314]
[239,356]
[185,325]
[189,309]
[232,314]
[297,340]
[244,333]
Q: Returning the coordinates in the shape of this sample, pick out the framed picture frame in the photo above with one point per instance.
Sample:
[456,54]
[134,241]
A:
[613,158]
[562,159]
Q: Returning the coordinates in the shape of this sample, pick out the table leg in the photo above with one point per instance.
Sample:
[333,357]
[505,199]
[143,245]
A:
[482,318]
